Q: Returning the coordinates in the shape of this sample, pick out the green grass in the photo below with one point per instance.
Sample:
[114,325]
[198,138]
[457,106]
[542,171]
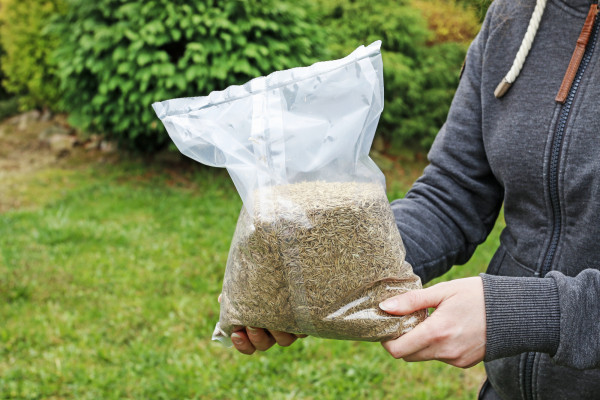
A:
[108,284]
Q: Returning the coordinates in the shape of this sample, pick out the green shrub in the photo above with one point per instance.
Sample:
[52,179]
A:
[8,107]
[479,6]
[27,60]
[421,68]
[4,94]
[116,58]
[449,20]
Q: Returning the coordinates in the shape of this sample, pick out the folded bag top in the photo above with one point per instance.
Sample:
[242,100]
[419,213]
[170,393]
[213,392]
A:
[299,124]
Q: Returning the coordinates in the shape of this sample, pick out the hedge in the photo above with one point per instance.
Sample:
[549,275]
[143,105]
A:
[26,59]
[114,58]
[421,65]
[118,57]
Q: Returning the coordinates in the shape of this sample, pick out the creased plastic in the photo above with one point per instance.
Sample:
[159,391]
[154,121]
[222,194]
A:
[316,247]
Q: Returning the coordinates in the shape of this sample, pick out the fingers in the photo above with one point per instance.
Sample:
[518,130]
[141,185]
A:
[458,357]
[411,342]
[415,300]
[242,343]
[252,339]
[283,339]
[248,340]
[454,334]
[260,339]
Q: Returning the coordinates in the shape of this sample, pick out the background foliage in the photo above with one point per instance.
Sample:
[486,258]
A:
[479,6]
[424,45]
[29,71]
[105,62]
[116,58]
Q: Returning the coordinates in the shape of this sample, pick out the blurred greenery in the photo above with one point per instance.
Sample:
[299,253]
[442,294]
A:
[421,58]
[26,59]
[105,62]
[480,6]
[116,58]
[8,107]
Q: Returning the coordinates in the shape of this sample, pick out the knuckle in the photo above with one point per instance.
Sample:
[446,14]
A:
[283,339]
[264,344]
[256,336]
[433,337]
[244,348]
[445,331]
[461,363]
[247,351]
[389,347]
[285,343]
[396,353]
[414,298]
[261,345]
[452,354]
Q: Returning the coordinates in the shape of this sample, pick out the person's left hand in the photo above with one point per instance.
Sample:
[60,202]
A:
[454,333]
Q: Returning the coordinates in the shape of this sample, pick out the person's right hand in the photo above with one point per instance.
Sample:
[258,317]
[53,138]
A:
[248,340]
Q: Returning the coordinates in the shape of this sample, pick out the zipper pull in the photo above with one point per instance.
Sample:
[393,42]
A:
[582,41]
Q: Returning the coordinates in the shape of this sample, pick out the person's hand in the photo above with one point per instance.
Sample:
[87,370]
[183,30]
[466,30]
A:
[248,339]
[454,333]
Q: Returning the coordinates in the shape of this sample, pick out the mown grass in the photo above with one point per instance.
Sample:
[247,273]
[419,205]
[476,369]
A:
[108,286]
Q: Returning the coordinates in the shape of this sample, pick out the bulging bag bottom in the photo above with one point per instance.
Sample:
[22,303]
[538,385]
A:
[317,258]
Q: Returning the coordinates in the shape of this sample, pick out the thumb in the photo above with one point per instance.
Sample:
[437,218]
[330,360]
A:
[414,300]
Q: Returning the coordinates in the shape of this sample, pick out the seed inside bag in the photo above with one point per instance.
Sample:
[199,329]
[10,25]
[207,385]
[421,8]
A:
[317,258]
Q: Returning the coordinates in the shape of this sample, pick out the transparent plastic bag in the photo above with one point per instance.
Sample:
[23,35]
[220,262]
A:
[316,246]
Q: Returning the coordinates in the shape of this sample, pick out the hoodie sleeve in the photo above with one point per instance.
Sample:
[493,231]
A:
[558,315]
[579,300]
[453,206]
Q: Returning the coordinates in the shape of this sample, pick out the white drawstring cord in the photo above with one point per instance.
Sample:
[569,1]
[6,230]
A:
[514,71]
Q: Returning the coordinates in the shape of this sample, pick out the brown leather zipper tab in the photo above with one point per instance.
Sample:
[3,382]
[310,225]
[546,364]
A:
[582,41]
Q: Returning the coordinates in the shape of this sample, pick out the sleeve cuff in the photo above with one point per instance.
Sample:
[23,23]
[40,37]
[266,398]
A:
[522,314]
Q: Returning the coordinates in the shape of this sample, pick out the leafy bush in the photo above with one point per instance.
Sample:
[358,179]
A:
[116,58]
[27,60]
[479,6]
[449,21]
[421,66]
[4,94]
[8,107]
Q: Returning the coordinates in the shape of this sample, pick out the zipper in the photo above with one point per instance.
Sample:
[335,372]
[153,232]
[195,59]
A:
[555,155]
[557,141]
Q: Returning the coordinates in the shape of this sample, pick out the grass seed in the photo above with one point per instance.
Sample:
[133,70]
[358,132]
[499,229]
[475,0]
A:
[317,258]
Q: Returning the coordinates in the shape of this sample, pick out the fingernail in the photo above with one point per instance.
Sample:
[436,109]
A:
[388,305]
[236,338]
[252,330]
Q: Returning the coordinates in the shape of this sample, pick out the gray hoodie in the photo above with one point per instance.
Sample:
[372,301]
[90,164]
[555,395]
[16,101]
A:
[541,160]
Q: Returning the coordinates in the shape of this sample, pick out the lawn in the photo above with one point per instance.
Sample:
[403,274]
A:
[110,268]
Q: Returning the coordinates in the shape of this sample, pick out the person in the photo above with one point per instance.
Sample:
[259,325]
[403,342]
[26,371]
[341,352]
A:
[532,145]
